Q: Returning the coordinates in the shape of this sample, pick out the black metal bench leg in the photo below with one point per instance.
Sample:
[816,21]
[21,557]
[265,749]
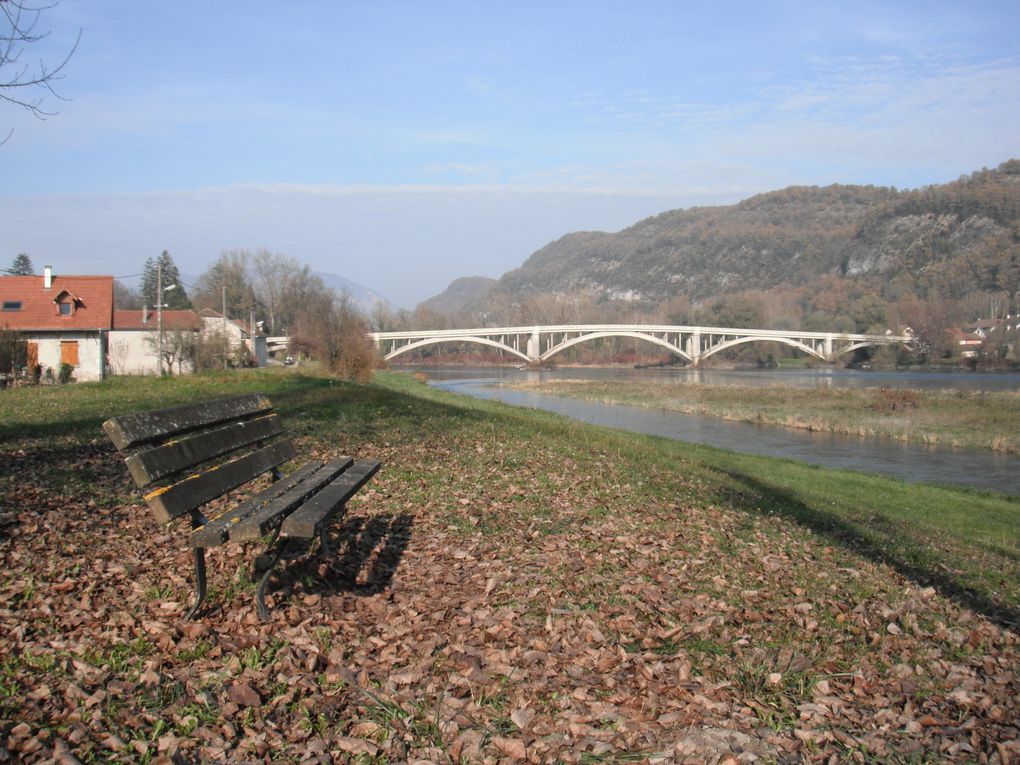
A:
[325,551]
[199,581]
[260,592]
[263,560]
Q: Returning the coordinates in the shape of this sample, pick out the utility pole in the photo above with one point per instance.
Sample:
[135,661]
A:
[226,343]
[159,317]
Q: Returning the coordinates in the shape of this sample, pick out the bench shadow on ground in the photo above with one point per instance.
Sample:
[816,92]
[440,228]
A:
[848,535]
[364,555]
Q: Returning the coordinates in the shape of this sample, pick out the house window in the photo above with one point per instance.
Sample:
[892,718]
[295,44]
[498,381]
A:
[12,305]
[69,352]
[65,309]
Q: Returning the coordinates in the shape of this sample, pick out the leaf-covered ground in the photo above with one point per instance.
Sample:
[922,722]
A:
[511,587]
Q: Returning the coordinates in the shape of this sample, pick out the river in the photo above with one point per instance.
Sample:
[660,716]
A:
[910,462]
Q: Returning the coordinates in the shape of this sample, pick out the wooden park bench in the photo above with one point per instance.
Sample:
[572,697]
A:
[191,455]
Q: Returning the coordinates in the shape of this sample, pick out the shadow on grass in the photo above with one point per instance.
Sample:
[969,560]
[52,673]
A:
[378,543]
[895,551]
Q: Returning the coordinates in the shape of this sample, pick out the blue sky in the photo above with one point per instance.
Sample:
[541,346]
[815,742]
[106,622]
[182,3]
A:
[404,144]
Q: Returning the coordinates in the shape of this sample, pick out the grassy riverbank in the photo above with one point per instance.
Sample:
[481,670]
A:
[512,585]
[971,419]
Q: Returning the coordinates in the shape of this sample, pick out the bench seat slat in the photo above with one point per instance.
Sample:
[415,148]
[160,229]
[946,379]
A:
[195,490]
[134,429]
[172,457]
[304,522]
[268,517]
[214,532]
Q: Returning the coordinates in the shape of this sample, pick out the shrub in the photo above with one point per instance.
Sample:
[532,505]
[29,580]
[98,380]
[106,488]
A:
[895,400]
[66,374]
[13,352]
[333,330]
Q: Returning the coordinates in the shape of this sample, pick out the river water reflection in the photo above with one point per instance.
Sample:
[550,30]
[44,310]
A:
[911,462]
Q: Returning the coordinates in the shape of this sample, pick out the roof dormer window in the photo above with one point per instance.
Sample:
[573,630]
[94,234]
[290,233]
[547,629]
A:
[66,303]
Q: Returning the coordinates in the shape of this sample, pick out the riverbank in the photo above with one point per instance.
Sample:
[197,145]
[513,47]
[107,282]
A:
[512,585]
[961,419]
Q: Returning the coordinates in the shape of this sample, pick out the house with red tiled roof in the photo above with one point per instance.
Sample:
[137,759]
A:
[133,347]
[969,343]
[64,320]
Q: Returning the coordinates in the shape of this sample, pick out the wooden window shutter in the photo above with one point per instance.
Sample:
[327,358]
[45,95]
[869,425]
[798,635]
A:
[33,356]
[69,352]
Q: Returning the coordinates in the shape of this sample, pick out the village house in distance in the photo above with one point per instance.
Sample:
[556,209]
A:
[73,320]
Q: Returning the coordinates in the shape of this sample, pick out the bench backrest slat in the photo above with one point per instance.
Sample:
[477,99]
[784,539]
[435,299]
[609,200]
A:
[195,490]
[174,456]
[134,429]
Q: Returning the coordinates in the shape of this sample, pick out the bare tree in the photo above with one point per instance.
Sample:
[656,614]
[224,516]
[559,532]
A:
[332,329]
[282,285]
[20,82]
[125,297]
[227,281]
[382,317]
[178,348]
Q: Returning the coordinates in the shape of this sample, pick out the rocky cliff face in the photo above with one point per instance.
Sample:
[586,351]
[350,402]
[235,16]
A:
[909,242]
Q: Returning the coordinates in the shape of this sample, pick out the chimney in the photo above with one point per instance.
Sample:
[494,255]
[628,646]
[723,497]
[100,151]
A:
[47,277]
[145,314]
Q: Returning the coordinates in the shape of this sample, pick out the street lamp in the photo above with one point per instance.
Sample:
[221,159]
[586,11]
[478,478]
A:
[160,291]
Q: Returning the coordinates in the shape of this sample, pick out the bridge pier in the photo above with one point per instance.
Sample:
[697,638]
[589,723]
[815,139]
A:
[535,347]
[694,347]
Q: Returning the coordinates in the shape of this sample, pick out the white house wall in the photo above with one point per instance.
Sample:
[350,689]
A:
[132,353]
[89,352]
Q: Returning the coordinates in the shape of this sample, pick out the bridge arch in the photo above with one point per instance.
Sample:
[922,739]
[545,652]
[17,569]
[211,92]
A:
[856,346]
[619,333]
[784,340]
[465,339]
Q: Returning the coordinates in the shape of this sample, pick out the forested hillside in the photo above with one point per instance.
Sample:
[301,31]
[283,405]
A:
[947,240]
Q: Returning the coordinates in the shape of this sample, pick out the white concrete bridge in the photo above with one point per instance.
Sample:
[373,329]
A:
[278,343]
[537,344]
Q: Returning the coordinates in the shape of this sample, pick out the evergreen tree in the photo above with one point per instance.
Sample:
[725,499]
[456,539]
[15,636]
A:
[148,288]
[175,298]
[22,266]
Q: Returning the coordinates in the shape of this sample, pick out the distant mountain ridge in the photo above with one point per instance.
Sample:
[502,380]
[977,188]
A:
[929,238]
[363,297]
[460,295]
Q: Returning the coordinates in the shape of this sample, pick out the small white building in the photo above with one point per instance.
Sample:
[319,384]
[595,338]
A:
[134,341]
[238,333]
